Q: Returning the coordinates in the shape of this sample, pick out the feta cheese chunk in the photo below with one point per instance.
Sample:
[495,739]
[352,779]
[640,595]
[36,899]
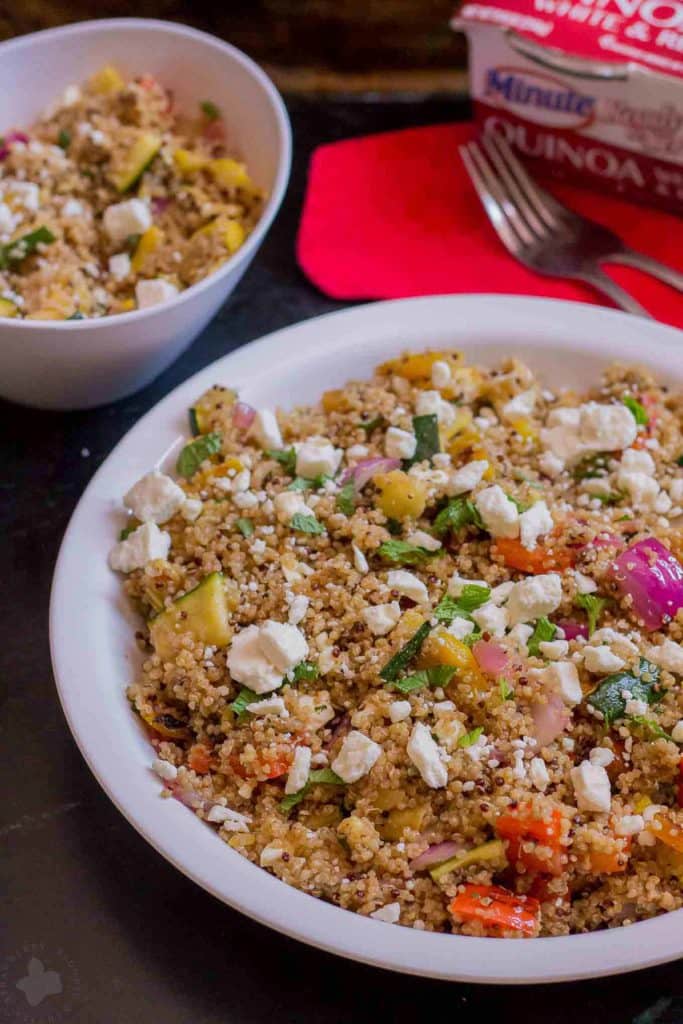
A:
[266,431]
[467,477]
[520,406]
[360,562]
[131,217]
[408,585]
[571,433]
[491,618]
[381,618]
[641,488]
[191,509]
[554,649]
[534,523]
[283,644]
[298,773]
[520,636]
[143,545]
[600,660]
[289,504]
[601,756]
[399,710]
[357,756]
[562,678]
[499,514]
[389,913]
[231,821]
[668,655]
[426,756]
[269,706]
[584,584]
[550,465]
[155,498]
[421,539]
[154,292]
[119,266]
[248,664]
[317,457]
[457,583]
[399,444]
[677,731]
[538,773]
[460,628]
[441,374]
[591,787]
[430,403]
[164,769]
[534,597]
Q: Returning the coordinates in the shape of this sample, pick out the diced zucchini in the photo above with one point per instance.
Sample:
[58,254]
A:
[7,308]
[209,408]
[204,612]
[233,236]
[136,161]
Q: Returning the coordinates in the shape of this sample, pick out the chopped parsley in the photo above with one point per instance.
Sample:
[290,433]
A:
[592,466]
[457,513]
[679,460]
[402,659]
[240,705]
[470,738]
[639,411]
[323,776]
[544,632]
[608,698]
[286,457]
[245,526]
[346,499]
[305,672]
[403,553]
[126,531]
[593,606]
[210,110]
[306,524]
[64,139]
[76,315]
[370,425]
[649,726]
[472,596]
[301,483]
[16,251]
[440,675]
[427,444]
[194,453]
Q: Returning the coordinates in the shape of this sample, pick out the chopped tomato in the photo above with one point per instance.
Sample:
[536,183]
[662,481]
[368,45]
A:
[199,759]
[612,862]
[543,889]
[551,556]
[497,908]
[528,838]
[265,768]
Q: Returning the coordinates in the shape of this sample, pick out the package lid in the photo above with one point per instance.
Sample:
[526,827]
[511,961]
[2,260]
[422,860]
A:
[648,33]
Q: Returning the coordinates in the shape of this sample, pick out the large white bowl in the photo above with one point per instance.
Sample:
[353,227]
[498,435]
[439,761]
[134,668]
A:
[82,363]
[91,627]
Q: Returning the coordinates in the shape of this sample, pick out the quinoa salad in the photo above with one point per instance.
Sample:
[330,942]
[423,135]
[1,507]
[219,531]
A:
[115,201]
[416,649]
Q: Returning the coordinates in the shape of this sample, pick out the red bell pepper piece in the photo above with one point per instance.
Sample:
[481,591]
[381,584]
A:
[497,908]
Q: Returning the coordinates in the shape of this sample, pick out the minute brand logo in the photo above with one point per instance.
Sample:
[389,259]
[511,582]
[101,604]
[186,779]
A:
[546,99]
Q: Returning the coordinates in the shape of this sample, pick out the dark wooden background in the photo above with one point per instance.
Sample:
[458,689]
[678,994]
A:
[307,45]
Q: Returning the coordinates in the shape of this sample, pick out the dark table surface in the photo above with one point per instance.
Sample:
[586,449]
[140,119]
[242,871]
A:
[130,939]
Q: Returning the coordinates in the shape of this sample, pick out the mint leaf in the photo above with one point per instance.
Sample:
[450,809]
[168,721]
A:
[608,697]
[306,524]
[346,499]
[473,595]
[241,703]
[306,671]
[245,526]
[126,531]
[649,726]
[286,457]
[370,425]
[592,466]
[439,675]
[194,453]
[301,483]
[593,607]
[544,631]
[400,661]
[470,738]
[403,553]
[457,513]
[210,110]
[324,776]
[64,139]
[639,411]
[16,251]
[427,443]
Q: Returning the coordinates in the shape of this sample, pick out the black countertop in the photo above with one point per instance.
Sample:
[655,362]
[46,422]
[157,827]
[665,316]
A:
[130,939]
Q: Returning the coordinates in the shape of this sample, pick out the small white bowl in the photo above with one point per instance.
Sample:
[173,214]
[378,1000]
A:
[82,363]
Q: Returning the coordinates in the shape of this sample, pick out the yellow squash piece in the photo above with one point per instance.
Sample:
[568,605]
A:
[8,308]
[397,822]
[493,850]
[136,161]
[106,80]
[209,408]
[229,174]
[443,649]
[233,235]
[418,366]
[204,612]
[188,162]
[149,242]
[401,496]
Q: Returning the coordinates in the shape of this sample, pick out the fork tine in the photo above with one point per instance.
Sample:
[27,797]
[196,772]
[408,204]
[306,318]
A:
[547,208]
[538,226]
[494,210]
[497,187]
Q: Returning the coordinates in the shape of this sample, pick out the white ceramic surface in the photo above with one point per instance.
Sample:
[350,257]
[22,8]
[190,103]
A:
[79,364]
[568,344]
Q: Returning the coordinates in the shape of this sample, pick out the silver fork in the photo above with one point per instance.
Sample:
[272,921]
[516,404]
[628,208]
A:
[545,235]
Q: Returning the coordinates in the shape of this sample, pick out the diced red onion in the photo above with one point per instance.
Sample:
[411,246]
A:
[652,577]
[340,727]
[572,629]
[363,472]
[243,415]
[189,797]
[160,203]
[9,139]
[491,658]
[550,719]
[436,854]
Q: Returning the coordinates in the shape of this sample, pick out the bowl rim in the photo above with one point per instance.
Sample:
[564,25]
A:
[182,838]
[277,192]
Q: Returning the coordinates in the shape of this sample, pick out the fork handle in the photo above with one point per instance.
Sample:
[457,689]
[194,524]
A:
[604,283]
[631,258]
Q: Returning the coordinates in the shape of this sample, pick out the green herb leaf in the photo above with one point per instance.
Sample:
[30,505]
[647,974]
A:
[544,632]
[194,453]
[306,672]
[131,243]
[16,251]
[506,691]
[76,315]
[592,466]
[301,483]
[439,675]
[286,457]
[472,596]
[649,726]
[346,499]
[306,524]
[427,444]
[519,505]
[459,512]
[394,527]
[245,526]
[194,422]
[470,738]
[639,411]
[126,531]
[210,110]
[321,777]
[402,659]
[64,139]
[679,460]
[403,553]
[608,699]
[593,606]
[370,425]
[242,701]
[613,498]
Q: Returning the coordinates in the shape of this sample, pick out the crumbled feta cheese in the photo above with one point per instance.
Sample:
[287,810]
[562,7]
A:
[591,787]
[668,655]
[231,821]
[72,207]
[389,913]
[360,562]
[155,498]
[247,662]
[538,773]
[676,489]
[357,451]
[534,597]
[491,619]
[399,710]
[641,489]
[265,430]
[550,465]
[467,477]
[629,825]
[499,514]
[635,461]
[284,645]
[594,427]
[119,266]
[621,645]
[426,756]
[298,773]
[153,292]
[562,678]
[520,406]
[441,374]
[381,618]
[399,444]
[131,217]
[601,756]
[289,504]
[269,706]
[457,583]
[600,660]
[270,855]
[408,585]
[143,545]
[70,96]
[554,649]
[584,584]
[460,628]
[421,539]
[164,769]
[298,608]
[317,457]
[677,731]
[636,707]
[356,757]
[430,403]
[500,594]
[534,523]
[520,635]
[191,509]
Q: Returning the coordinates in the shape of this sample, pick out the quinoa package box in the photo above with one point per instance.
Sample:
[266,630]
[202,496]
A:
[591,89]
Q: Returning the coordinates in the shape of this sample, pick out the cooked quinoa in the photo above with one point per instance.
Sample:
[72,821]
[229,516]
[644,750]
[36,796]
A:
[416,649]
[115,201]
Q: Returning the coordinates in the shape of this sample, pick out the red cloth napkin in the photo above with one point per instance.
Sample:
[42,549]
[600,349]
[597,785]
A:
[393,215]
